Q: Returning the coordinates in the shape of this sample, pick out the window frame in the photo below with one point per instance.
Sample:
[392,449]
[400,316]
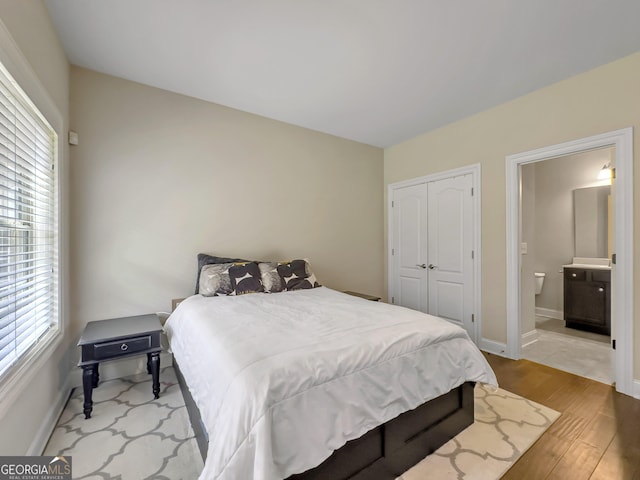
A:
[20,375]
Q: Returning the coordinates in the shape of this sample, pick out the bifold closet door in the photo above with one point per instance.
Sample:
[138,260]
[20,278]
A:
[410,247]
[432,253]
[450,250]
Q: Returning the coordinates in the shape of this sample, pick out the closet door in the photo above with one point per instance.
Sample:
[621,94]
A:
[409,272]
[432,266]
[450,250]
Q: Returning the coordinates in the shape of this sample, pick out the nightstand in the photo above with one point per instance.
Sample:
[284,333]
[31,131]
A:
[363,295]
[106,340]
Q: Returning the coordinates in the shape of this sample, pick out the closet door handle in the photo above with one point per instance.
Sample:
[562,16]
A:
[421,265]
[432,266]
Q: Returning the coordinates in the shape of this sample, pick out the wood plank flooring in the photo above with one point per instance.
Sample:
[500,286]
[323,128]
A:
[597,436]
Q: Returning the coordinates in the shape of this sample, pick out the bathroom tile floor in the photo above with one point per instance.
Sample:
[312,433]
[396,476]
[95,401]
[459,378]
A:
[584,355]
[557,326]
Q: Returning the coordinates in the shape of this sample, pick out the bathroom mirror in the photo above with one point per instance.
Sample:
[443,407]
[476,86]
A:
[591,220]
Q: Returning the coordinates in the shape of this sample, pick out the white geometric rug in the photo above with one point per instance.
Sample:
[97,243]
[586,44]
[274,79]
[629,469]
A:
[130,435]
[505,426]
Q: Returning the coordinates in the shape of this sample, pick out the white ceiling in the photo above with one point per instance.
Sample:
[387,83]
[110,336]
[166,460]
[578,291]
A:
[375,71]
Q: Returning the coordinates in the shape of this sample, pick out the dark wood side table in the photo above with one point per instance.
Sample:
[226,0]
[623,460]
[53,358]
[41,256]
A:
[105,340]
[363,295]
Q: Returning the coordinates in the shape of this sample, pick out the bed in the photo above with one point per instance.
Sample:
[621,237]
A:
[317,384]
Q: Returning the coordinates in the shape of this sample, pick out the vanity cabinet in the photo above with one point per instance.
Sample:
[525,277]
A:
[587,299]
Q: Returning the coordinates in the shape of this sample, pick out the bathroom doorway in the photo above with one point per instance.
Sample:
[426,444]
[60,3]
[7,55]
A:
[565,211]
[622,301]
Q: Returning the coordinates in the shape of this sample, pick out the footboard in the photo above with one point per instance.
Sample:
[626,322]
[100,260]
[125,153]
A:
[386,451]
[389,450]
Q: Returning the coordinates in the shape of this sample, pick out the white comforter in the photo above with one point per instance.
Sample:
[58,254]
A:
[282,380]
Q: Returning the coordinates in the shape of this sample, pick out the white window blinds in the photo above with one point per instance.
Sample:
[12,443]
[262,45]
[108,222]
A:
[28,270]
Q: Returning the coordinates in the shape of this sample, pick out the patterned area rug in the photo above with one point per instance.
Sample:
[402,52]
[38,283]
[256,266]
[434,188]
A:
[505,426]
[132,436]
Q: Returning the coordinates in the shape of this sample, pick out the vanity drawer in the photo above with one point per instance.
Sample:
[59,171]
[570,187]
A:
[575,274]
[601,275]
[122,347]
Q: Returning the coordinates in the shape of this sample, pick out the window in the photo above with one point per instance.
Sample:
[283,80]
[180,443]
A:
[28,226]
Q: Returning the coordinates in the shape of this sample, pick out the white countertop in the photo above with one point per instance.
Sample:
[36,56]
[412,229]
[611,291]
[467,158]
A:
[591,263]
[587,265]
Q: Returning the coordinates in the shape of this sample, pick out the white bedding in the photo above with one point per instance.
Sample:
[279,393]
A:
[282,380]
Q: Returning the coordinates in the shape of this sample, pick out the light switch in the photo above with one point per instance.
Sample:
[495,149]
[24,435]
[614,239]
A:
[523,248]
[73,138]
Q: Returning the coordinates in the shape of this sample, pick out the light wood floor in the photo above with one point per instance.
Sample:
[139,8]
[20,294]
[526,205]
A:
[597,436]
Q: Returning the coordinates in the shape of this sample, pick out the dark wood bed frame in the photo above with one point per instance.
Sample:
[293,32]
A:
[385,452]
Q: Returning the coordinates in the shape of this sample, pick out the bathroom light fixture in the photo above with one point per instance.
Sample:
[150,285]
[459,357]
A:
[605,172]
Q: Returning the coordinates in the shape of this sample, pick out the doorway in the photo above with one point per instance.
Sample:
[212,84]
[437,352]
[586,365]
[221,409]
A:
[622,269]
[434,263]
[565,318]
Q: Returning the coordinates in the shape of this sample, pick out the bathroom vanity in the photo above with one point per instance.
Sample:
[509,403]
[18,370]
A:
[587,297]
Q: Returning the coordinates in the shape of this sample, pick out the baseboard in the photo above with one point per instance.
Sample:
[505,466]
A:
[548,312]
[636,389]
[529,337]
[496,348]
[46,427]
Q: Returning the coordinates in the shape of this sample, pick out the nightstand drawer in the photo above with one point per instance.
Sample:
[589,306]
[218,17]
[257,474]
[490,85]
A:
[122,347]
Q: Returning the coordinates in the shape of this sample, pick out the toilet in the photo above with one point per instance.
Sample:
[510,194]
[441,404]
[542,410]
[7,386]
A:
[539,282]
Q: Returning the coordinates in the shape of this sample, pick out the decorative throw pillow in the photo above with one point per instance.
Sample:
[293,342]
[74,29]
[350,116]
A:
[297,275]
[215,280]
[205,259]
[271,280]
[245,278]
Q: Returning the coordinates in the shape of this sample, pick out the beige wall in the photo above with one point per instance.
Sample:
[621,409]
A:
[27,420]
[159,177]
[601,100]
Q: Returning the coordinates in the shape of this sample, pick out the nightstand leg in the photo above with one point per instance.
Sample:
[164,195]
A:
[148,363]
[155,373]
[96,376]
[87,386]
